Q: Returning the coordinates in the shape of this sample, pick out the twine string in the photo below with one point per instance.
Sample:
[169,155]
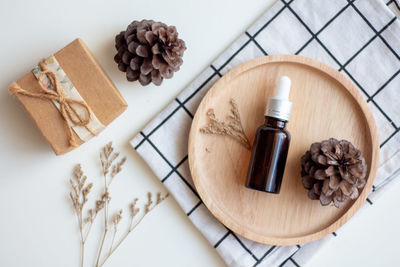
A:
[67,109]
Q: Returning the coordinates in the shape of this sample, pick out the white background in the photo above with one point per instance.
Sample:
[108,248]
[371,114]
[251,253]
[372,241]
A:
[37,226]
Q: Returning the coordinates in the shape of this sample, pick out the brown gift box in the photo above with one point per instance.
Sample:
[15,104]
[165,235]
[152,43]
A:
[92,83]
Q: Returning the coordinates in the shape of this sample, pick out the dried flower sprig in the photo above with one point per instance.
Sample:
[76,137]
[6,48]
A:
[79,197]
[107,158]
[133,212]
[231,127]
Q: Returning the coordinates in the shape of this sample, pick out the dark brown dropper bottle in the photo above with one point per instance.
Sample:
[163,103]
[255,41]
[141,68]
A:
[271,143]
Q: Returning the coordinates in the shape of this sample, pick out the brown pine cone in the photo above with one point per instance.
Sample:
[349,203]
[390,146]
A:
[149,51]
[333,171]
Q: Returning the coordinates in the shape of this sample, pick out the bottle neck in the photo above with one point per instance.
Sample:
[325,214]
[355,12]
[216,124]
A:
[274,122]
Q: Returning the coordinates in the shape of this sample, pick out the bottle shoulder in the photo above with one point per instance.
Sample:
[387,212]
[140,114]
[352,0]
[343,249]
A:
[267,130]
[264,128]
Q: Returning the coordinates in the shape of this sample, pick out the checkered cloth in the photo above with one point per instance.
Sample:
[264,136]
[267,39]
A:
[360,38]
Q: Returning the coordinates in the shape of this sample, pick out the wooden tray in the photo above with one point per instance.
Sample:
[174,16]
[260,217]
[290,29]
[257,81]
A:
[325,104]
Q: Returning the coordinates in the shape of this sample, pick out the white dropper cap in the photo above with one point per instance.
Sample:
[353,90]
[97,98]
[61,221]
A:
[279,106]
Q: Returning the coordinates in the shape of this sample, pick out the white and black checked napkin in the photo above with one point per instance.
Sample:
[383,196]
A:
[359,38]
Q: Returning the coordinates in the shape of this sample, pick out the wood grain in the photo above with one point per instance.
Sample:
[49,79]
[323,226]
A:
[325,104]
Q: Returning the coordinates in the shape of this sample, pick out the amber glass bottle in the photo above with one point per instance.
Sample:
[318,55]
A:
[269,155]
[271,143]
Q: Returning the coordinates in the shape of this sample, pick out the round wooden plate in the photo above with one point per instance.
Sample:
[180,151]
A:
[325,104]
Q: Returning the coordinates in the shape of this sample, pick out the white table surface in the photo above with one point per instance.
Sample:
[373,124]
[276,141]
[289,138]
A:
[37,227]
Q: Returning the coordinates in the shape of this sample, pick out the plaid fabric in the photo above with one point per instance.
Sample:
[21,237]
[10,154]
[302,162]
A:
[360,38]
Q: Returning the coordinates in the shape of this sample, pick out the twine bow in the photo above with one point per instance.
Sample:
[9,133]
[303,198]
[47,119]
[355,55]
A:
[68,111]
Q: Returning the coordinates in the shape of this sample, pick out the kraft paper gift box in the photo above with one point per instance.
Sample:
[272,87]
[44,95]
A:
[83,104]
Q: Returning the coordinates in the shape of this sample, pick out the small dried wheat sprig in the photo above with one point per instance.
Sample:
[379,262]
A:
[231,127]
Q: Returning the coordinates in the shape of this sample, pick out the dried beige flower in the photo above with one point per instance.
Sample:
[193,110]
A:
[117,167]
[107,158]
[99,205]
[133,208]
[148,204]
[161,198]
[117,217]
[232,127]
[90,217]
[106,196]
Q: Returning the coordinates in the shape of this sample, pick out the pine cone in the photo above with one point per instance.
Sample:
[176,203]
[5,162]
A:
[333,171]
[149,51]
